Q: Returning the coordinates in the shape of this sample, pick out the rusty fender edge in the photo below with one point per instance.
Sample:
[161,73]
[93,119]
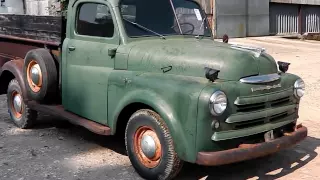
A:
[251,151]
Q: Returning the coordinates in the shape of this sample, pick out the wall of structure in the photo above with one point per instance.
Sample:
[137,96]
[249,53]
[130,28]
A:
[12,7]
[258,18]
[37,7]
[241,18]
[33,7]
[309,2]
[40,7]
[230,18]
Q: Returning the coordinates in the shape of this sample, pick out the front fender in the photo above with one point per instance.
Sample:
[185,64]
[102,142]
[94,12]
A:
[174,98]
[161,107]
[15,67]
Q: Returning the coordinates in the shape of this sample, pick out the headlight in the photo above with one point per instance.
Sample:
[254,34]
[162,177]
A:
[299,88]
[217,103]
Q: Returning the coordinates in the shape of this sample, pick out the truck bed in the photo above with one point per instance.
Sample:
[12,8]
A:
[22,33]
[45,29]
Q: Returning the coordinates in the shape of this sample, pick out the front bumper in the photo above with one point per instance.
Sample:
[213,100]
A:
[251,151]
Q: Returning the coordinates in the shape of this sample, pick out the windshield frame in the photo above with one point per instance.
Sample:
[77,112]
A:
[203,14]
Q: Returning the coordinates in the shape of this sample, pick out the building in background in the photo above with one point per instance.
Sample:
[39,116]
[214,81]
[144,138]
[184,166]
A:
[243,18]
[237,18]
[30,7]
[11,6]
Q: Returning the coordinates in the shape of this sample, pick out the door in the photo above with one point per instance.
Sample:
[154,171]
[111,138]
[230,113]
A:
[310,19]
[87,65]
[284,18]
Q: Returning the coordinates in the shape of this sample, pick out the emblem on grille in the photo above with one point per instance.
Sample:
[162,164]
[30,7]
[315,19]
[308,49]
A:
[265,88]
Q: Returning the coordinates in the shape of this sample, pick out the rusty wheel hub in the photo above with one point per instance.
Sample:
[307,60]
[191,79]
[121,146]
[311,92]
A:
[16,104]
[34,76]
[147,147]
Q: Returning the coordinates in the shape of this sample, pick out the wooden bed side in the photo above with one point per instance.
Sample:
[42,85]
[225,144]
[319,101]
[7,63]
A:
[39,29]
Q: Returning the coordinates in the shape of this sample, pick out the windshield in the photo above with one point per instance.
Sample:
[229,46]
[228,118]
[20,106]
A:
[158,17]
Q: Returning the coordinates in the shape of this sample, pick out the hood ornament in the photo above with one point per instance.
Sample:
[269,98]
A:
[255,50]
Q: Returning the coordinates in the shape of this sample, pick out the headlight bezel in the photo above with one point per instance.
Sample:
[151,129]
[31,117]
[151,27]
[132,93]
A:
[299,88]
[215,98]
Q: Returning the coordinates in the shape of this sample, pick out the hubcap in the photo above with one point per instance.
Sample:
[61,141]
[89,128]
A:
[17,103]
[34,76]
[16,100]
[147,147]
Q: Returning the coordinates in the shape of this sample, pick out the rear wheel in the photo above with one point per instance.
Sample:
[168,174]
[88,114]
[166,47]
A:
[40,73]
[22,116]
[150,146]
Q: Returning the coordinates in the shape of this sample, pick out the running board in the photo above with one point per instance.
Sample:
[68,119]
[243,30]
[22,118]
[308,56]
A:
[59,111]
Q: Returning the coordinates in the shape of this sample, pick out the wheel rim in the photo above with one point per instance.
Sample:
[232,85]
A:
[147,147]
[16,104]
[34,76]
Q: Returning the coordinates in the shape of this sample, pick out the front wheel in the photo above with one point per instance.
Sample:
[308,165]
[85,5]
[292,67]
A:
[150,146]
[21,115]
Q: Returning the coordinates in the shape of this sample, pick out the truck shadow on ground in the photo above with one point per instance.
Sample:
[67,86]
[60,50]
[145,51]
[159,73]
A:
[114,143]
[269,167]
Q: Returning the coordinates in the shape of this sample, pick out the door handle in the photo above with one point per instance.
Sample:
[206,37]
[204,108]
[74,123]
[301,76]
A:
[71,48]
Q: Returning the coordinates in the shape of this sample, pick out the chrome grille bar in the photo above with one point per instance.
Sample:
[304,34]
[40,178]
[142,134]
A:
[260,79]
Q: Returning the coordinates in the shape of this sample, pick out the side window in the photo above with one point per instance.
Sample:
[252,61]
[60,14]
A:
[94,20]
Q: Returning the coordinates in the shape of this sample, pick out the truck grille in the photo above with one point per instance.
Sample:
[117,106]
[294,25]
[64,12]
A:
[257,110]
[260,121]
[263,105]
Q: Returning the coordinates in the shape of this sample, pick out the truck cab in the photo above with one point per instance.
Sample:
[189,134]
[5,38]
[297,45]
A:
[156,76]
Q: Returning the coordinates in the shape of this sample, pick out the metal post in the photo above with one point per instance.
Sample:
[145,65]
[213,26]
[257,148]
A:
[24,7]
[300,19]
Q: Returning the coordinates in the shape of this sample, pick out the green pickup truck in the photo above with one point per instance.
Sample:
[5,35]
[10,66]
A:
[154,75]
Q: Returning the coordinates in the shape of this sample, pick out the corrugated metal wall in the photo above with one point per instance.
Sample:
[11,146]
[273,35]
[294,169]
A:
[310,18]
[241,18]
[284,18]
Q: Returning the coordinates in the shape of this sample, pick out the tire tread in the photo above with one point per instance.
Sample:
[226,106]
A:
[174,164]
[29,117]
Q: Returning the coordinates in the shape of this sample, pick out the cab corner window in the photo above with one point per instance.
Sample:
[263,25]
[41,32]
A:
[94,20]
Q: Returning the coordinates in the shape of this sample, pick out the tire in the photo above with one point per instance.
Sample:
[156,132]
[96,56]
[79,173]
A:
[45,89]
[162,163]
[25,117]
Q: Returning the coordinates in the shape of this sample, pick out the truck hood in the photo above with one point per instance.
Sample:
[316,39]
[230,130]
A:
[189,57]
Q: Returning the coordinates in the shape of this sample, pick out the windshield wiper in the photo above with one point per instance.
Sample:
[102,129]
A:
[144,28]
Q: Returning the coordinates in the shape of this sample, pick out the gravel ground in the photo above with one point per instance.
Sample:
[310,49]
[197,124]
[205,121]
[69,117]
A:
[56,150]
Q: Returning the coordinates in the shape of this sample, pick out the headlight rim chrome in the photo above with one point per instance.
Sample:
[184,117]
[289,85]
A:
[212,101]
[299,86]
